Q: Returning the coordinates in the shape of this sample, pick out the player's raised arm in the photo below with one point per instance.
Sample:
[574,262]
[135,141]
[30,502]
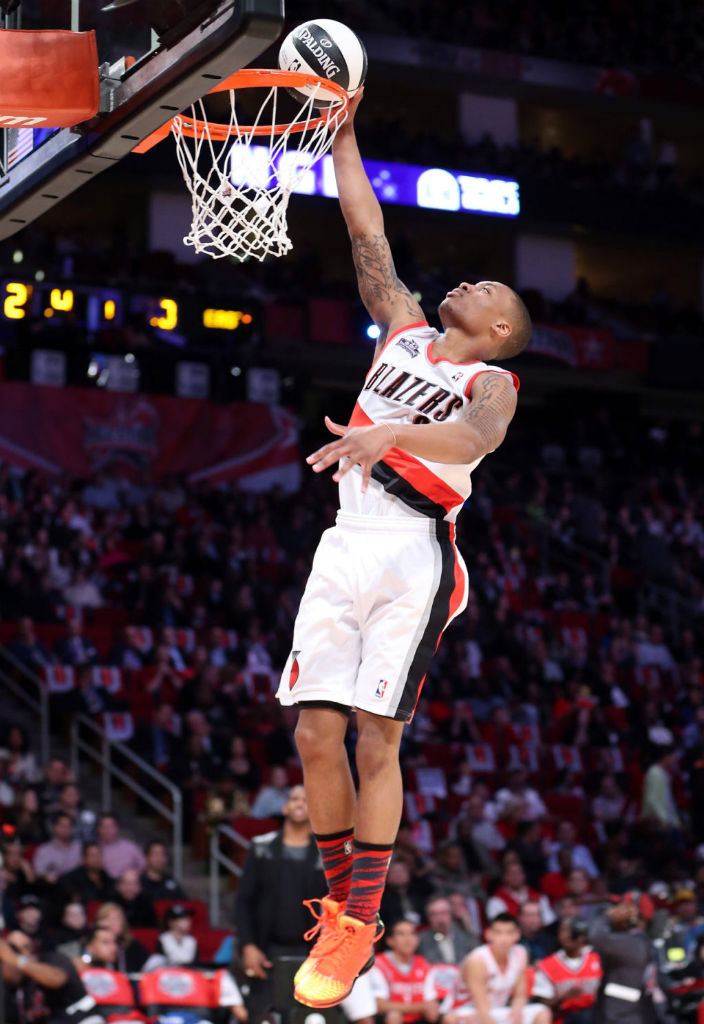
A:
[388,300]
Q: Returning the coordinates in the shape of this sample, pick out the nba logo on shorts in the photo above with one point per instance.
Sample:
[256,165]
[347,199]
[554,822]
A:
[381,688]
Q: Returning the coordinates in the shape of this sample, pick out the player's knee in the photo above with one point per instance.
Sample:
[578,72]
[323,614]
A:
[544,1017]
[376,753]
[313,743]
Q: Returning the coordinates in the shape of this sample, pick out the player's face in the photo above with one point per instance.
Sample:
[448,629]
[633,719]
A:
[477,308]
[501,936]
[404,939]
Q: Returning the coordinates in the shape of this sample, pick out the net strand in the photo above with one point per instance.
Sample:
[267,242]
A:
[239,198]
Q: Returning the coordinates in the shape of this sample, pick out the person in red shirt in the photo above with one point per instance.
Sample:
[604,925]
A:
[568,980]
[402,981]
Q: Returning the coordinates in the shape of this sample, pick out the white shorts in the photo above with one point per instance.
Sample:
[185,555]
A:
[380,594]
[500,1014]
[360,1003]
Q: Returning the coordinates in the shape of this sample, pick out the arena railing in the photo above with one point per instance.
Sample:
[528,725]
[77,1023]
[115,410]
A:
[30,690]
[108,753]
[219,859]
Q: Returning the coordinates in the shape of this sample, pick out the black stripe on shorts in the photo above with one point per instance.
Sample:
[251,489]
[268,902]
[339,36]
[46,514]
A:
[437,620]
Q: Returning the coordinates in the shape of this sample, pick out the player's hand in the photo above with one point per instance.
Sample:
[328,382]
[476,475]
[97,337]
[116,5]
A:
[361,446]
[254,961]
[348,116]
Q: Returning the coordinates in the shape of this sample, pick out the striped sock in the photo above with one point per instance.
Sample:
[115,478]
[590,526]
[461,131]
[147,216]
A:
[371,863]
[336,854]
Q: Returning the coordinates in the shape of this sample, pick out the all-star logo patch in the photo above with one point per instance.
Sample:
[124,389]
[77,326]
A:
[295,670]
[409,345]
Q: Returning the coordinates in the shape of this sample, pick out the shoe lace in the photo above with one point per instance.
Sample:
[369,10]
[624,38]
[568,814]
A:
[320,919]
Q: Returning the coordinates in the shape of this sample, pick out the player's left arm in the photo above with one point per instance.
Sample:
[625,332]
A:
[492,407]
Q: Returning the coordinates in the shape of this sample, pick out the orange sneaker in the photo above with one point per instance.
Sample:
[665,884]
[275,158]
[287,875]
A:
[348,953]
[325,928]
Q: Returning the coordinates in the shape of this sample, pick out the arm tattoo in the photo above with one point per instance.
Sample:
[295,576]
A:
[379,287]
[491,408]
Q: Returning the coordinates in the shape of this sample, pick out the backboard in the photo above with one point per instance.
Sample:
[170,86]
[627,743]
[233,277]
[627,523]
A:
[156,58]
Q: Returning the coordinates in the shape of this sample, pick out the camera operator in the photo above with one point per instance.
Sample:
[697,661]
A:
[629,983]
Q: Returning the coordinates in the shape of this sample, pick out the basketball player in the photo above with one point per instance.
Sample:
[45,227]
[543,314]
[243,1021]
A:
[493,981]
[387,579]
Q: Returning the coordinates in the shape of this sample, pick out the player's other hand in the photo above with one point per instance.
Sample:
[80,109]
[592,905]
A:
[358,446]
[255,961]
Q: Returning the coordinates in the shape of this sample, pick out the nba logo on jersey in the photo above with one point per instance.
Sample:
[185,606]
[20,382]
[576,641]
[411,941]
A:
[381,688]
[456,376]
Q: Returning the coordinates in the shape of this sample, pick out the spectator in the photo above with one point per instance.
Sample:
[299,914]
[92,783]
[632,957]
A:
[131,954]
[176,944]
[156,883]
[83,592]
[450,873]
[7,792]
[566,839]
[518,801]
[30,920]
[119,854]
[685,927]
[56,776]
[239,768]
[75,648]
[61,854]
[100,948]
[21,766]
[137,908]
[530,847]
[444,942]
[539,941]
[404,896]
[658,806]
[89,882]
[610,802]
[27,649]
[475,819]
[568,980]
[83,819]
[17,877]
[69,937]
[513,892]
[28,819]
[269,801]
[401,980]
[127,652]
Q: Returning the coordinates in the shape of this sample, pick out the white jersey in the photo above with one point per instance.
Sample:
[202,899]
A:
[408,384]
[500,984]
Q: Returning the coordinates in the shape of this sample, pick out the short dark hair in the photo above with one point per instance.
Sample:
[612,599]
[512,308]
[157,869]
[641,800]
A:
[521,327]
[152,843]
[503,918]
[88,845]
[400,920]
[93,931]
[58,816]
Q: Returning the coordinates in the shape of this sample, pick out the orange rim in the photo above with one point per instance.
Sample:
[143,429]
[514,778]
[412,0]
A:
[252,78]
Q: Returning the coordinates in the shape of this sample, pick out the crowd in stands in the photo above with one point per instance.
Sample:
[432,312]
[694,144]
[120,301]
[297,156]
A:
[621,34]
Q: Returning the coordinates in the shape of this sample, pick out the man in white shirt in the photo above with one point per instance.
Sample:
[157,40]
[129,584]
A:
[492,988]
[518,801]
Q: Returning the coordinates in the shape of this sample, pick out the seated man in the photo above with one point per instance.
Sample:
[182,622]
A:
[401,980]
[492,986]
[568,981]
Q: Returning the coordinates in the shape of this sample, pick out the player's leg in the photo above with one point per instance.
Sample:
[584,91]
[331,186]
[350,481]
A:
[379,807]
[320,738]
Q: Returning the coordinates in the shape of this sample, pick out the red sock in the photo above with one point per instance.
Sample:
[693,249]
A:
[371,863]
[336,854]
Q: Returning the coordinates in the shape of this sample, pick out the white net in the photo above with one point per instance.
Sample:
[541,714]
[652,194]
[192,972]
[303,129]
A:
[240,184]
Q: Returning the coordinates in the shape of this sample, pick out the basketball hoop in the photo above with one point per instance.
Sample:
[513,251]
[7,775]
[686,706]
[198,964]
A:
[240,195]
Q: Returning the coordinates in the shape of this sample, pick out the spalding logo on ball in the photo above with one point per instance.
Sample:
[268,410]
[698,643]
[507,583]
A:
[328,49]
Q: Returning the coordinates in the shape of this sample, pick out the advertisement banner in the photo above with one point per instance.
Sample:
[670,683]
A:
[147,437]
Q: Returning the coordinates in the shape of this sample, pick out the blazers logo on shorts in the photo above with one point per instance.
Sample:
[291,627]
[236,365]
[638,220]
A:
[381,688]
[295,670]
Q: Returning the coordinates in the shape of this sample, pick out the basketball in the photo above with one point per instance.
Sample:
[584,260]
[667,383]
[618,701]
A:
[328,49]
